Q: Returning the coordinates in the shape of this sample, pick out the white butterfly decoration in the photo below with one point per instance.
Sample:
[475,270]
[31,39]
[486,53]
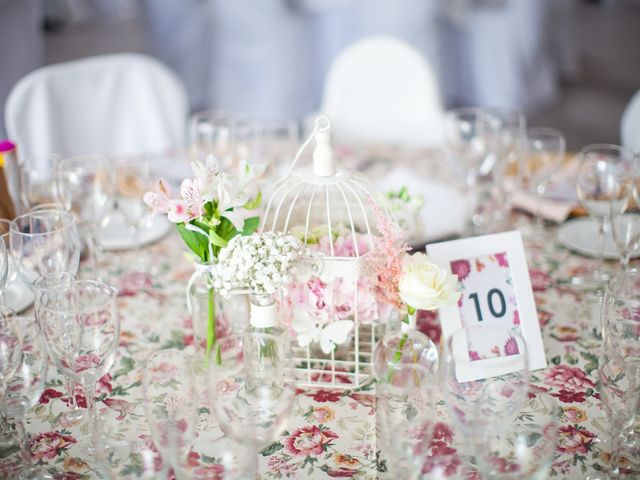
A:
[329,336]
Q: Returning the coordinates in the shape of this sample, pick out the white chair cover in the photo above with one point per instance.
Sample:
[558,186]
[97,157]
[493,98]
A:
[114,104]
[630,125]
[382,90]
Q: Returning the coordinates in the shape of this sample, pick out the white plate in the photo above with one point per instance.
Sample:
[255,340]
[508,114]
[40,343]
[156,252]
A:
[117,236]
[581,234]
[18,296]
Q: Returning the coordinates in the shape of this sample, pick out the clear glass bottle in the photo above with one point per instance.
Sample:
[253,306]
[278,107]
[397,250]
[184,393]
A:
[266,345]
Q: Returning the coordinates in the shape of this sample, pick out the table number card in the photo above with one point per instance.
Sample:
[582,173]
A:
[495,291]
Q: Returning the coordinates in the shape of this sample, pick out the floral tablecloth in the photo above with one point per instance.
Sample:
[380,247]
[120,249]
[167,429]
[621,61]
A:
[332,433]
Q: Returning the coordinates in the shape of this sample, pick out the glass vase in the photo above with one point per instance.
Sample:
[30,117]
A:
[266,344]
[402,345]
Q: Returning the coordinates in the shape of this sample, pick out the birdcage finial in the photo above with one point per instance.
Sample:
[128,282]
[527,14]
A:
[324,164]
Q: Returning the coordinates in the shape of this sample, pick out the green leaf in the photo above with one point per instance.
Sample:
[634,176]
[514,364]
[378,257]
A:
[216,239]
[255,203]
[271,449]
[532,438]
[197,242]
[250,225]
[556,360]
[128,364]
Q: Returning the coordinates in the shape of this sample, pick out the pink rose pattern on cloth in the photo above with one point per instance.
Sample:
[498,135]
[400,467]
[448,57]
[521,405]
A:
[332,432]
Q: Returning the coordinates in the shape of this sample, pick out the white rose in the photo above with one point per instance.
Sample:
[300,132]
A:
[424,285]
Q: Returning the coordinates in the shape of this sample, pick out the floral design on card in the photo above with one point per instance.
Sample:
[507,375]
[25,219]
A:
[488,298]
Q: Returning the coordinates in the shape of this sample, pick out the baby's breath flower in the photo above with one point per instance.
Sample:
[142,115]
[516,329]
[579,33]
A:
[260,262]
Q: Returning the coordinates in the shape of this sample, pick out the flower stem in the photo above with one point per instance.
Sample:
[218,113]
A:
[211,324]
[397,356]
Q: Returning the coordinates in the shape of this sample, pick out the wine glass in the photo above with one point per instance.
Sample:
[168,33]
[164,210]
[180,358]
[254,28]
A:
[52,283]
[605,175]
[133,179]
[469,142]
[38,182]
[44,241]
[624,220]
[543,154]
[82,329]
[485,376]
[522,448]
[170,395]
[86,188]
[619,370]
[406,416]
[210,134]
[248,411]
[511,130]
[24,387]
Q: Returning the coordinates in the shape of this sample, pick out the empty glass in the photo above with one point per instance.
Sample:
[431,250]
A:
[133,179]
[252,412]
[50,284]
[605,175]
[485,376]
[210,134]
[469,142]
[522,448]
[5,234]
[82,330]
[4,269]
[624,220]
[406,414]
[43,242]
[38,181]
[170,398]
[543,154]
[619,372]
[510,125]
[86,188]
[24,387]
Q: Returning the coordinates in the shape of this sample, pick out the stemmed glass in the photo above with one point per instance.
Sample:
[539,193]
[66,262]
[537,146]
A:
[624,220]
[170,395]
[50,284]
[406,408]
[24,387]
[605,175]
[619,370]
[469,141]
[86,188]
[82,329]
[248,411]
[543,154]
[484,376]
[210,133]
[510,125]
[44,241]
[133,179]
[38,184]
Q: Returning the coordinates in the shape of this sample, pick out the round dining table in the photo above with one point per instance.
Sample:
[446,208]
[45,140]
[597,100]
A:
[331,433]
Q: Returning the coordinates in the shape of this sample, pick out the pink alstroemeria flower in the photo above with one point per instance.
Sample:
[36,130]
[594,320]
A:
[160,198]
[189,206]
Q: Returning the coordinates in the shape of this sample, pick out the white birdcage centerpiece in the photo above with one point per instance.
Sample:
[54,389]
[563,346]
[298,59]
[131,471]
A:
[330,308]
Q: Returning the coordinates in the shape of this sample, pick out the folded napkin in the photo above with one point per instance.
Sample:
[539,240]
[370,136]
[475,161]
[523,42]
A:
[560,199]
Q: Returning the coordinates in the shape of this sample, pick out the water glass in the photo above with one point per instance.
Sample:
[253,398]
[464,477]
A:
[624,220]
[406,417]
[81,326]
[523,448]
[38,181]
[86,188]
[484,376]
[43,242]
[24,386]
[469,143]
[605,175]
[210,133]
[170,402]
[543,154]
[248,411]
[511,130]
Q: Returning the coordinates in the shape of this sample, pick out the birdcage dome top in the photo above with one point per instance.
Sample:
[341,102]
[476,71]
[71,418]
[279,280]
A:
[332,210]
